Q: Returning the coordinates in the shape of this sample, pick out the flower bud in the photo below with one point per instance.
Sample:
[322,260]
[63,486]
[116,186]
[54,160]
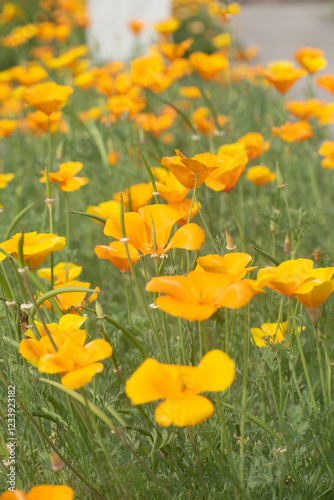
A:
[287,244]
[230,245]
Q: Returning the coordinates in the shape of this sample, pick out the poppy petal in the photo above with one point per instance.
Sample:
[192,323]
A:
[188,411]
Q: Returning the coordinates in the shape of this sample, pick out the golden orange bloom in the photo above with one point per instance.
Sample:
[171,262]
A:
[254,144]
[260,175]
[7,127]
[4,179]
[131,103]
[66,176]
[79,361]
[136,26]
[208,66]
[197,296]
[225,177]
[167,26]
[139,229]
[47,97]
[39,122]
[221,41]
[169,188]
[40,493]
[71,300]
[327,150]
[36,247]
[231,263]
[105,209]
[62,272]
[9,12]
[135,196]
[282,75]
[311,59]
[203,122]
[28,76]
[180,386]
[290,132]
[313,108]
[174,51]
[150,72]
[186,169]
[68,58]
[270,333]
[326,82]
[190,92]
[156,123]
[297,278]
[19,36]
[69,326]
[113,157]
[115,252]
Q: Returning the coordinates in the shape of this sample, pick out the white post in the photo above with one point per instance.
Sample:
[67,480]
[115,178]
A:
[109,34]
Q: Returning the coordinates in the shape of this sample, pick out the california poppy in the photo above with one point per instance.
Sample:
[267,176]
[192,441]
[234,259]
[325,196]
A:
[47,97]
[40,493]
[180,386]
[311,59]
[66,176]
[231,263]
[291,132]
[282,75]
[260,175]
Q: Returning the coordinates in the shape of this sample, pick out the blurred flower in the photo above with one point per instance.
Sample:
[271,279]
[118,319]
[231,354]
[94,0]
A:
[66,176]
[311,59]
[254,144]
[4,179]
[180,386]
[167,26]
[260,175]
[190,92]
[7,127]
[19,36]
[208,66]
[28,76]
[113,157]
[36,247]
[327,150]
[326,82]
[9,12]
[270,333]
[291,132]
[71,300]
[68,58]
[156,123]
[47,97]
[136,26]
[282,75]
[40,493]
[62,272]
[174,51]
[39,123]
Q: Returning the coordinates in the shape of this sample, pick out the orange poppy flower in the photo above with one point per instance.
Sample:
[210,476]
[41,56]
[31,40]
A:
[254,144]
[105,209]
[291,132]
[197,296]
[80,362]
[156,123]
[167,26]
[282,75]
[174,51]
[270,333]
[39,122]
[7,127]
[68,58]
[62,272]
[19,35]
[326,82]
[208,66]
[202,122]
[180,386]
[136,25]
[169,188]
[9,12]
[47,97]
[4,179]
[113,157]
[311,59]
[71,300]
[28,76]
[160,218]
[186,169]
[135,196]
[313,108]
[66,176]
[150,72]
[36,247]
[69,326]
[260,175]
[327,150]
[297,278]
[190,92]
[40,493]
[225,177]
[231,263]
[116,253]
[131,103]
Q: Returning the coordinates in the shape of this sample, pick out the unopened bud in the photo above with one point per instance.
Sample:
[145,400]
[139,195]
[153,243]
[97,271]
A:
[230,245]
[287,244]
[99,310]
[56,461]
[272,227]
[313,314]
